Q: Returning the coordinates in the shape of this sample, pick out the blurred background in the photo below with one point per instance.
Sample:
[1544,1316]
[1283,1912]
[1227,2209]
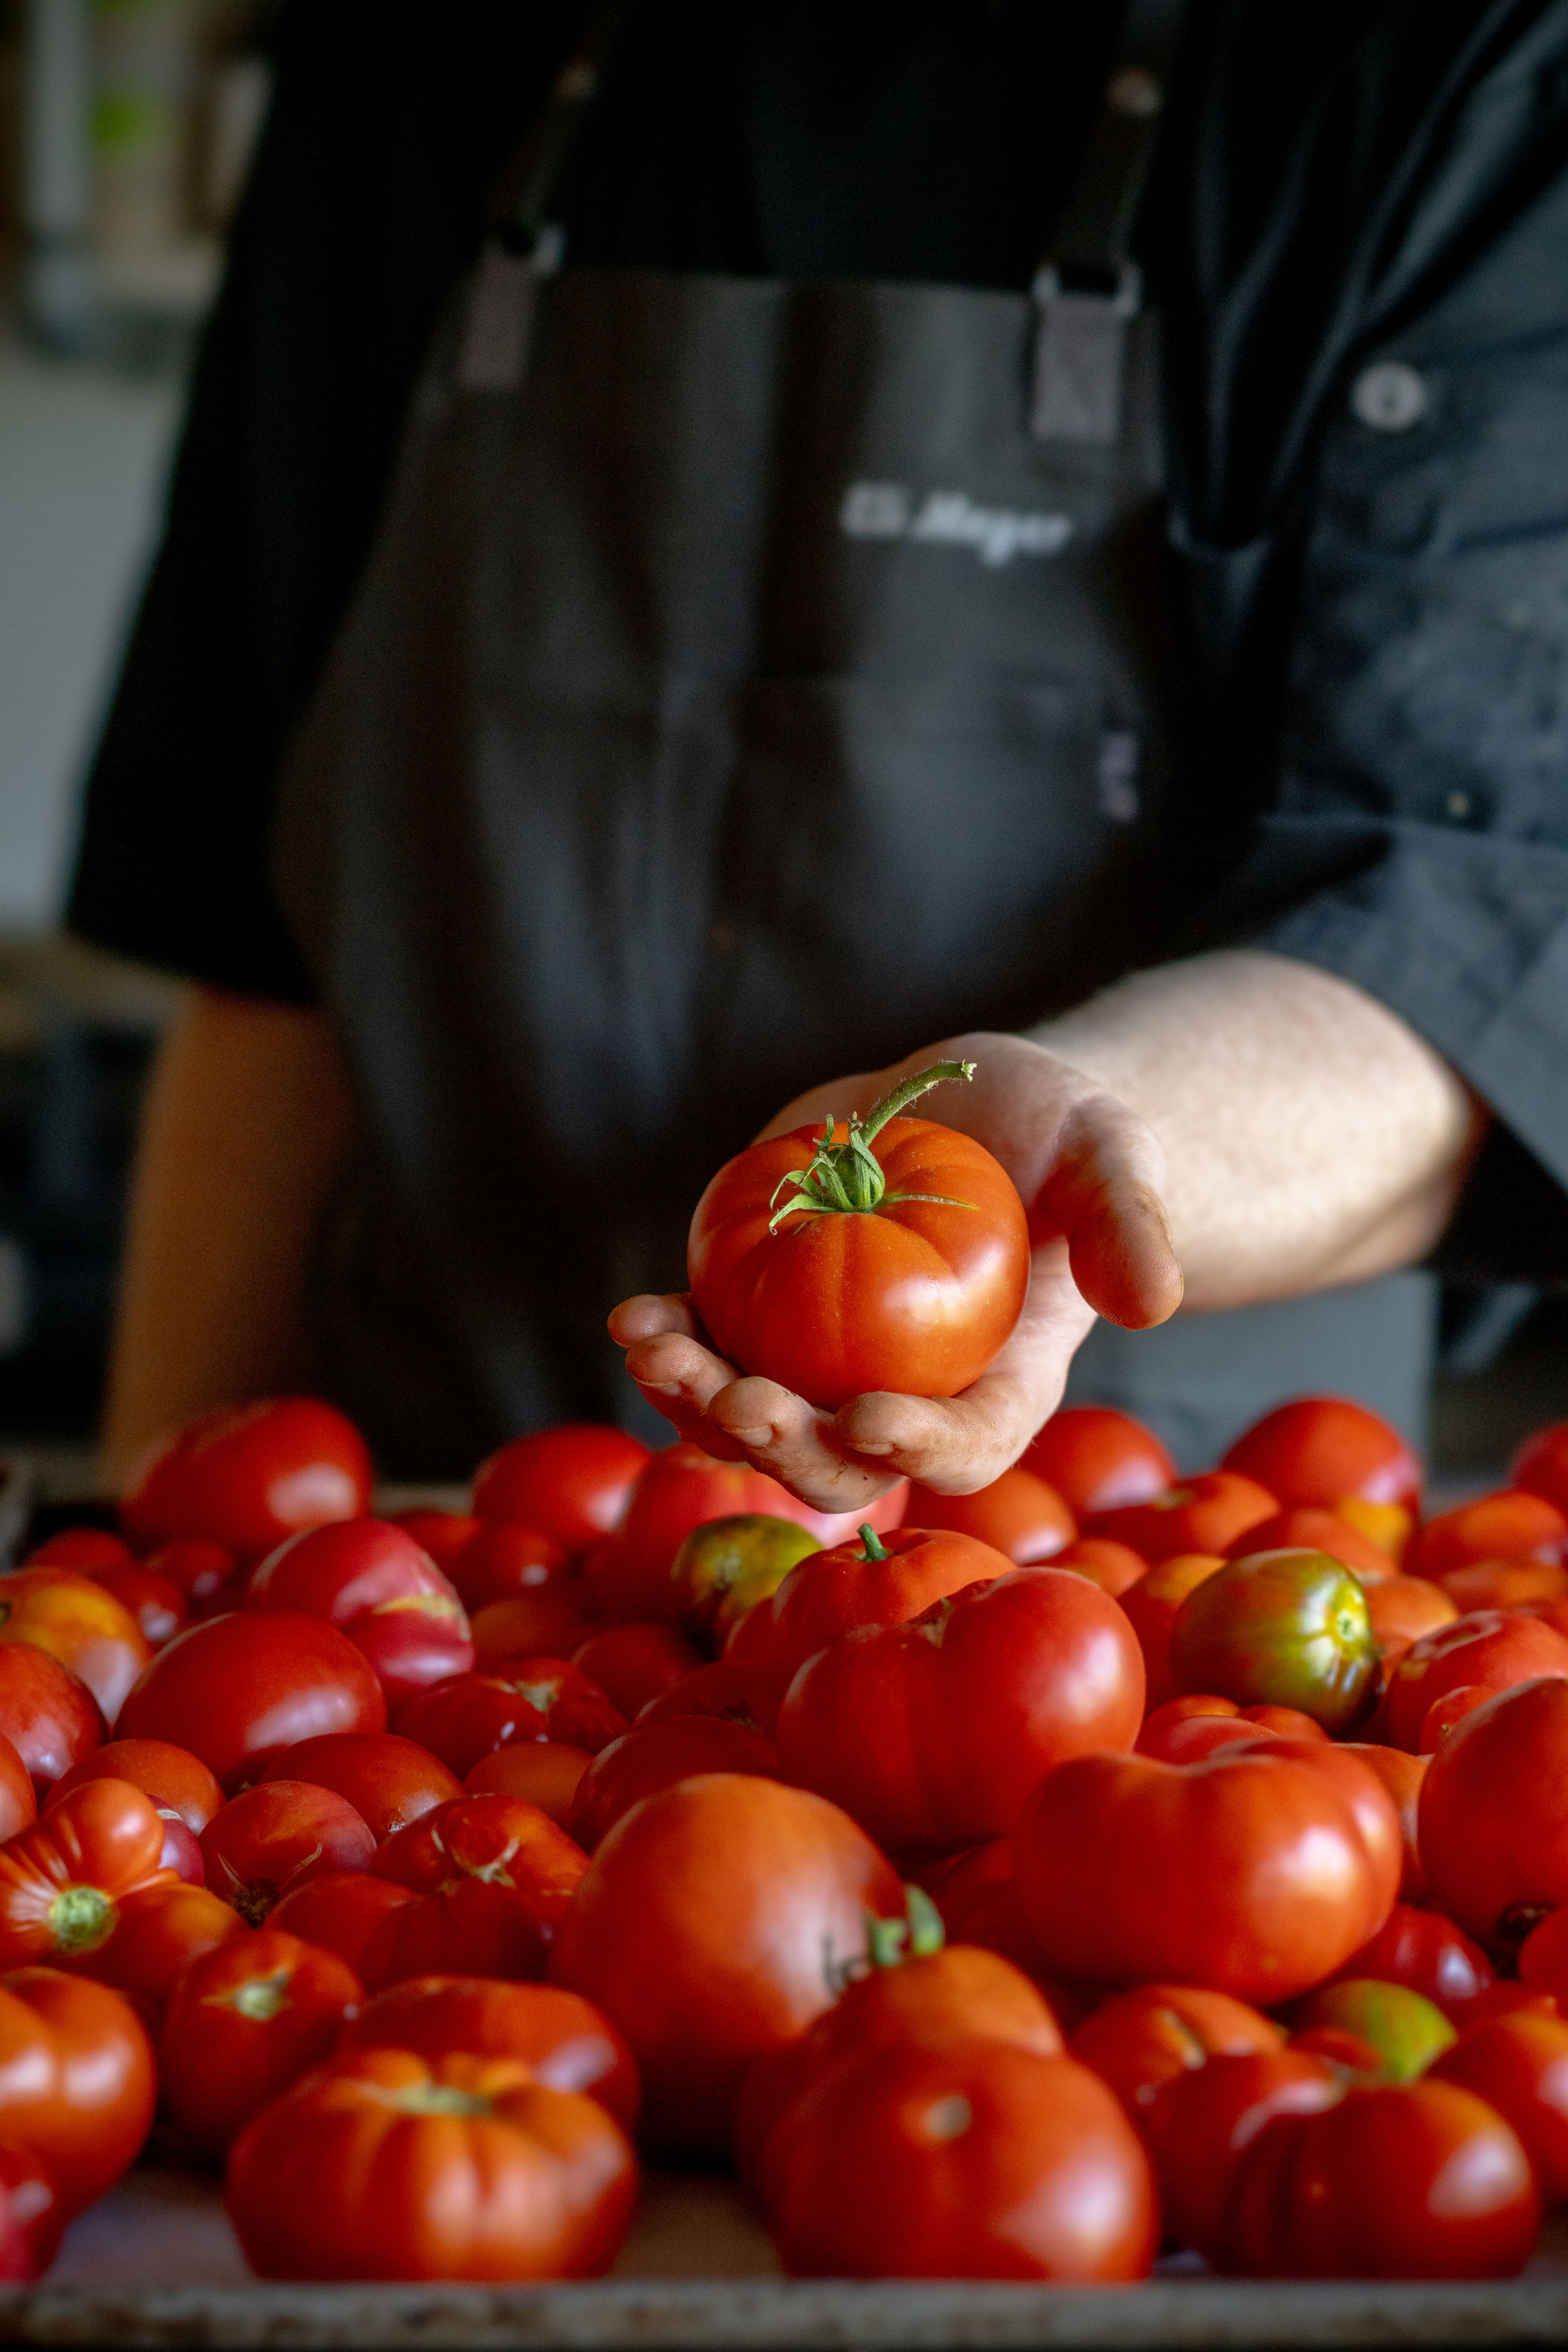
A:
[126,127]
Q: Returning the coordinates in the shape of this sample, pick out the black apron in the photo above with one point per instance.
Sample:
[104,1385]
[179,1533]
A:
[751,680]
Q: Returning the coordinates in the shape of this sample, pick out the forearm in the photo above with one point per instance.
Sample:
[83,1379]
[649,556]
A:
[246,1126]
[1311,1138]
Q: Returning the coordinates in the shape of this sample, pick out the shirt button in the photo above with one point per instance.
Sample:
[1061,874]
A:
[1390,397]
[1459,806]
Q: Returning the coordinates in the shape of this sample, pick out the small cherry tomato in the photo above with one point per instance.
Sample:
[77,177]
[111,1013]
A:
[245,2023]
[79,1624]
[77,2079]
[569,2044]
[1315,1451]
[342,1913]
[632,1664]
[388,1781]
[1098,1459]
[1201,1514]
[1137,2040]
[237,1689]
[871,1583]
[1510,1525]
[726,1566]
[271,1839]
[1019,1515]
[1280,1629]
[542,1772]
[247,1476]
[571,1482]
[655,1756]
[372,2167]
[520,1698]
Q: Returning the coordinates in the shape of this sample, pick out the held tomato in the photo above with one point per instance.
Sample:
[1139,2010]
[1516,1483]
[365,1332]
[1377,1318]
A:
[1280,1629]
[237,1689]
[1248,1873]
[931,1734]
[520,1698]
[566,2041]
[373,1582]
[1138,2041]
[1098,1459]
[245,2023]
[1201,2122]
[1018,1513]
[1201,1514]
[1488,1650]
[976,2159]
[77,2079]
[542,1772]
[756,1899]
[1494,1815]
[656,1755]
[385,2164]
[271,1839]
[79,1624]
[839,1270]
[571,1482]
[1510,1525]
[1315,1451]
[868,1583]
[63,1880]
[247,1476]
[389,1781]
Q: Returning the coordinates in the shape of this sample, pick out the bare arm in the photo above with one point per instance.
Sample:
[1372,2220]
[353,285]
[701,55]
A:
[247,1123]
[1253,1124]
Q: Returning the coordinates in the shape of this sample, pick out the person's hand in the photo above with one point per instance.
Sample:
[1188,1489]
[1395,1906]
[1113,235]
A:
[1089,1174]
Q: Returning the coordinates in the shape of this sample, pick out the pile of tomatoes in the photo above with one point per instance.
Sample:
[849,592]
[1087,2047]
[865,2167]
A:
[1008,1886]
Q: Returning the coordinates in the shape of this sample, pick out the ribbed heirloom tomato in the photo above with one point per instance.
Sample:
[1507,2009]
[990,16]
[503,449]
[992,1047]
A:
[839,1269]
[77,2079]
[569,2043]
[244,2024]
[871,1582]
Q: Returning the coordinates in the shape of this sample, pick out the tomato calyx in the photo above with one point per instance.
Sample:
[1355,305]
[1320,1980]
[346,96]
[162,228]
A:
[846,1179]
[81,1918]
[890,1942]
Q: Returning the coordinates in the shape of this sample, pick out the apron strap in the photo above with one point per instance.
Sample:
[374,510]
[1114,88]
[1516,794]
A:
[1088,286]
[519,207]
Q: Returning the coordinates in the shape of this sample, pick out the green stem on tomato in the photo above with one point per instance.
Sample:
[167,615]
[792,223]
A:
[846,1179]
[871,1545]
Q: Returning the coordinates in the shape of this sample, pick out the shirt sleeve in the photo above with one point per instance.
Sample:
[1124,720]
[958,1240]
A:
[386,130]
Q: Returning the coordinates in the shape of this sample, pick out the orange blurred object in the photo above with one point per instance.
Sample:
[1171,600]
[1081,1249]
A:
[78,1625]
[1151,1605]
[1405,1608]
[1504,1583]
[1205,1513]
[543,1772]
[1510,1525]
[1315,1451]
[1098,1459]
[548,1624]
[1017,1513]
[1389,1525]
[1310,1529]
[1114,1566]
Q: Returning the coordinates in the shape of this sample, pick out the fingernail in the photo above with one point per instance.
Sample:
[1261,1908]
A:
[763,1437]
[879,1451]
[661,1388]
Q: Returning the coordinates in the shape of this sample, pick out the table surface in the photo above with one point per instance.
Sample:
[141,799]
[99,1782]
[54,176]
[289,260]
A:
[154,2264]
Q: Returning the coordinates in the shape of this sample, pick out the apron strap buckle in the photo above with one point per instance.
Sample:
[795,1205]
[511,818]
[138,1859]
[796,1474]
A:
[1080,338]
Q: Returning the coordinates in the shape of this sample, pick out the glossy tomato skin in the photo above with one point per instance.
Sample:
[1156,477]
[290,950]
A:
[1402,1610]
[655,1756]
[1200,1514]
[976,2159]
[245,2023]
[1280,1628]
[1114,1566]
[352,2175]
[208,1574]
[1098,1459]
[1402,1775]
[1519,2064]
[1488,1649]
[342,1913]
[1200,2122]
[726,1566]
[756,1898]
[77,2079]
[1248,1873]
[1019,1515]
[1309,1529]
[1510,1525]
[388,1781]
[176,1782]
[444,1535]
[931,1734]
[569,2044]
[839,1589]
[238,1688]
[247,1476]
[1138,2041]
[1150,1606]
[571,1482]
[1315,1451]
[80,1625]
[915,1297]
[159,1607]
[372,1581]
[632,1664]
[63,1880]
[1541,1465]
[501,1560]
[274,1837]
[496,1840]
[1494,1819]
[18,1802]
[520,1699]
[1422,2180]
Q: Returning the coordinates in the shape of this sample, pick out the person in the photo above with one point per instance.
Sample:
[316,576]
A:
[720,554]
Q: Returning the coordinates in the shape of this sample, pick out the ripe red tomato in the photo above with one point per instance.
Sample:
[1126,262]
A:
[79,1623]
[271,1839]
[493,1931]
[1317,1450]
[1150,1606]
[237,1689]
[34,2219]
[632,1664]
[1201,1514]
[1402,1610]
[655,1756]
[736,1691]
[1488,1650]
[342,1913]
[1510,1525]
[446,1535]
[50,1718]
[1098,1459]
[178,1782]
[160,1931]
[87,1550]
[974,2159]
[1201,2121]
[501,1560]
[18,1803]
[542,1772]
[208,1574]
[388,1781]
[1138,2041]
[1423,1950]
[976,1896]
[1422,2180]
[367,2169]
[1519,2064]
[839,1269]
[1541,1465]
[1280,1629]
[63,1879]
[869,1582]
[756,1898]
[1248,1873]
[1504,1583]
[248,1474]
[523,1698]
[77,2079]
[931,1734]
[1402,1775]
[1494,1815]
[569,2044]
[550,1622]
[156,1603]
[497,1841]
[375,1583]
[1018,1513]
[571,1482]
[1114,1566]
[1319,1530]
[245,2023]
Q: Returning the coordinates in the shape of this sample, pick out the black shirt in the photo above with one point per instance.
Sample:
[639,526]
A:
[1375,612]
